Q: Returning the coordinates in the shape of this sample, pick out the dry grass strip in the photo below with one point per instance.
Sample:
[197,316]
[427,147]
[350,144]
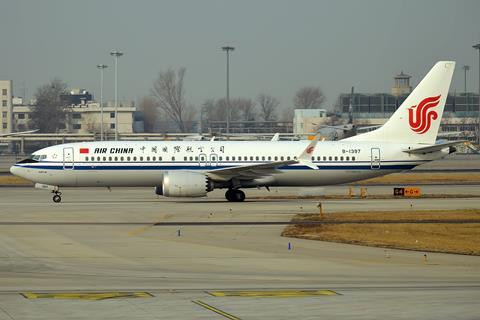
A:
[460,238]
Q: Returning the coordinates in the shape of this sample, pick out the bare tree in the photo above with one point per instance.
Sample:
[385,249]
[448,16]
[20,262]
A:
[246,107]
[268,106]
[308,98]
[216,110]
[149,108]
[49,113]
[169,94]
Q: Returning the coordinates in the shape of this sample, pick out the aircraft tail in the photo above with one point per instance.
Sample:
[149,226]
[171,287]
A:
[417,120]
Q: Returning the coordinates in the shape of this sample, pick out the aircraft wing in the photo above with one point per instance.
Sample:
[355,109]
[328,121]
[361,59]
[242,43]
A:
[255,171]
[435,147]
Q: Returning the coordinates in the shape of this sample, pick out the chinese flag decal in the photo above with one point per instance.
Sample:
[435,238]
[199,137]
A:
[83,150]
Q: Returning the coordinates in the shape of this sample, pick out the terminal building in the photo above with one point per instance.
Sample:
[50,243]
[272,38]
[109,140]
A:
[459,122]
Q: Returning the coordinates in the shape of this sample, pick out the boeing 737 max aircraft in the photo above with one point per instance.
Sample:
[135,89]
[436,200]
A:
[193,168]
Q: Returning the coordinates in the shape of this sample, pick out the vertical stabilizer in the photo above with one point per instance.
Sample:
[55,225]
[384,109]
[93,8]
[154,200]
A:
[418,118]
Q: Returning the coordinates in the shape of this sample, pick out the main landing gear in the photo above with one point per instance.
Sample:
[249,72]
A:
[235,195]
[57,196]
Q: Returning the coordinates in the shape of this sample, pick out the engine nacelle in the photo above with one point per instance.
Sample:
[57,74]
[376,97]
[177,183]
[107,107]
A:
[185,184]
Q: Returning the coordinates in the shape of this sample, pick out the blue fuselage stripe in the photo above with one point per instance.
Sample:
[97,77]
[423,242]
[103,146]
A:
[197,167]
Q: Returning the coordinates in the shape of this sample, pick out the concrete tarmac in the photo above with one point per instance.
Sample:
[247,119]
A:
[110,244]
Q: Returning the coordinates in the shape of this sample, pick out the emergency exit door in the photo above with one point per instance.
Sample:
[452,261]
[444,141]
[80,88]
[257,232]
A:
[375,158]
[68,161]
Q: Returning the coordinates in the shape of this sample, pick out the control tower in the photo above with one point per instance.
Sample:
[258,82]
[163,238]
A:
[402,85]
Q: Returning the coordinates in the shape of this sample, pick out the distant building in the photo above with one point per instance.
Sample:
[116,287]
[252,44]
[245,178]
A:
[370,109]
[459,118]
[308,120]
[6,106]
[83,118]
[86,118]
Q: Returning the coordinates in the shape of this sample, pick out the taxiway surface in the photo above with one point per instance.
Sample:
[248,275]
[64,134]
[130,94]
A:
[109,243]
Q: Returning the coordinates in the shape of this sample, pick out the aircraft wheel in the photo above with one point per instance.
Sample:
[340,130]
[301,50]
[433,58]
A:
[229,195]
[239,195]
[57,198]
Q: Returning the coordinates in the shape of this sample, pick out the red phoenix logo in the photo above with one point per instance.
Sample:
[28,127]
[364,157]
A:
[309,150]
[420,116]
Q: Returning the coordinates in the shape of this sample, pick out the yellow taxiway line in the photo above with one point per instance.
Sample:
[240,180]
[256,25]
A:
[273,293]
[85,295]
[216,310]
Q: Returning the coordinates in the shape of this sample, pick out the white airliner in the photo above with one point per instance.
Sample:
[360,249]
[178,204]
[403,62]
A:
[193,168]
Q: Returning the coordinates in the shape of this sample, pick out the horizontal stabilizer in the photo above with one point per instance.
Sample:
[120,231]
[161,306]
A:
[434,148]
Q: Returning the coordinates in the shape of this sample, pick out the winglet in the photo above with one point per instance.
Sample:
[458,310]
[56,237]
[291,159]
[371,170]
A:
[276,137]
[306,156]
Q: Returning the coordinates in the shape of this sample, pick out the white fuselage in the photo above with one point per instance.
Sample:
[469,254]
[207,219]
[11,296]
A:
[143,163]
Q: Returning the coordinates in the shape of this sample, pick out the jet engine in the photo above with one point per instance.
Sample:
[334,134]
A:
[184,184]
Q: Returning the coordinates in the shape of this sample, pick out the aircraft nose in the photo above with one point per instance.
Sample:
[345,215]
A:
[14,170]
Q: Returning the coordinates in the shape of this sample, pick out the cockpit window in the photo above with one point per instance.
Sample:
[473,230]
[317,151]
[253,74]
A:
[38,157]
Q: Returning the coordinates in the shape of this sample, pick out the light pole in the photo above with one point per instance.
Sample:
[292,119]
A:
[227,50]
[116,54]
[465,69]
[477,46]
[101,67]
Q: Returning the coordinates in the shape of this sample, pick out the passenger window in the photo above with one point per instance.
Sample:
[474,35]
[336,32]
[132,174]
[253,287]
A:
[196,158]
[86,158]
[245,158]
[353,158]
[220,158]
[348,158]
[191,158]
[128,158]
[276,158]
[154,158]
[148,158]
[227,158]
[159,158]
[263,158]
[341,158]
[288,157]
[251,158]
[173,158]
[116,158]
[269,158]
[121,158]
[319,158]
[336,158]
[330,158]
[104,158]
[324,158]
[98,158]
[141,158]
[109,158]
[313,158]
[134,158]
[233,158]
[257,158]
[281,158]
[184,158]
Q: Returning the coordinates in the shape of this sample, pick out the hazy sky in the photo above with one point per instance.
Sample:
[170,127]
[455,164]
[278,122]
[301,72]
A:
[279,45]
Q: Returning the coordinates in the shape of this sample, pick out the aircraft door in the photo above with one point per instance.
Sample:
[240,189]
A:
[202,159]
[213,159]
[375,158]
[68,161]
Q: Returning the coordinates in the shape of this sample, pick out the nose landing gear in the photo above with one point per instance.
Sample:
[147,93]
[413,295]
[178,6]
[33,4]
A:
[57,196]
[235,195]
